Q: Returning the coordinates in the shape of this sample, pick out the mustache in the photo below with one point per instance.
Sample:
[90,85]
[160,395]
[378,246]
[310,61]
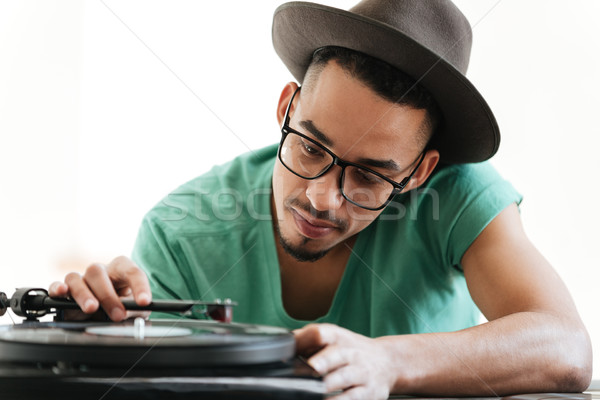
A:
[321,215]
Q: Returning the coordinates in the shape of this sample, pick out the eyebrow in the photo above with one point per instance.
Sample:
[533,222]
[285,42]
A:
[321,137]
[389,165]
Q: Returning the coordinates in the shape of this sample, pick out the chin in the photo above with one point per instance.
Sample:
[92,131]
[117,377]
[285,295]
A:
[301,253]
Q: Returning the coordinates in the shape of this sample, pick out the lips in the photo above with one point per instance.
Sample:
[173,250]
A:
[312,228]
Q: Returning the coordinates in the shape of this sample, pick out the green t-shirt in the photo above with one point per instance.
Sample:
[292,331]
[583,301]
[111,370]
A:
[213,238]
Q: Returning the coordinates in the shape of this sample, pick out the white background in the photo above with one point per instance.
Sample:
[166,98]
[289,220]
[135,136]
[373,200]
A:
[107,106]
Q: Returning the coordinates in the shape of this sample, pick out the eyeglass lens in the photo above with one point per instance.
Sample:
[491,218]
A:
[309,160]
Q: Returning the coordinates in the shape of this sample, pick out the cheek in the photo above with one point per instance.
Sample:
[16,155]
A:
[358,218]
[286,185]
[277,182]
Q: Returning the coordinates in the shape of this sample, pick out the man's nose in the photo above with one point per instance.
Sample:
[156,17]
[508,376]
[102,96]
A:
[324,192]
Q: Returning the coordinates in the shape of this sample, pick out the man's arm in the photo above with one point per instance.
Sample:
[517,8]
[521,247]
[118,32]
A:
[534,340]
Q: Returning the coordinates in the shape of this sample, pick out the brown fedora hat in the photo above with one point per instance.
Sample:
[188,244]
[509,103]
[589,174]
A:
[428,40]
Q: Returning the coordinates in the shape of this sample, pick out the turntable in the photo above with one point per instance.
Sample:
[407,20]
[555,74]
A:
[176,358]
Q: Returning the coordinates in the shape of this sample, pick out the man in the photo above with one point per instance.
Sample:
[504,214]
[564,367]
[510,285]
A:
[369,221]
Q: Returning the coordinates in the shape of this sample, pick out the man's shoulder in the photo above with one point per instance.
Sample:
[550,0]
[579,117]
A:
[464,176]
[442,217]
[458,187]
[450,191]
[228,195]
[245,172]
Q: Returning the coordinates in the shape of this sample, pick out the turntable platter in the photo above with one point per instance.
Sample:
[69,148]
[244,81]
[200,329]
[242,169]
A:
[164,343]
[133,332]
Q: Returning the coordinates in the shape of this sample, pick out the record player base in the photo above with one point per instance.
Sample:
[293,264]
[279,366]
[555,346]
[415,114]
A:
[289,380]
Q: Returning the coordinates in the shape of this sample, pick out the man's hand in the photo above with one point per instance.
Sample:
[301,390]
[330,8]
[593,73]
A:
[104,286]
[358,365]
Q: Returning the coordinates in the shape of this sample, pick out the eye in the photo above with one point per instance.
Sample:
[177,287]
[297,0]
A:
[311,150]
[366,178]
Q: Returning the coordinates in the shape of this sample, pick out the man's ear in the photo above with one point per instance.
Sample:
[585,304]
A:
[284,99]
[432,157]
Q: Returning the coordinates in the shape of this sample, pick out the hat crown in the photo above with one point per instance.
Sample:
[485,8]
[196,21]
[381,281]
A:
[436,24]
[429,40]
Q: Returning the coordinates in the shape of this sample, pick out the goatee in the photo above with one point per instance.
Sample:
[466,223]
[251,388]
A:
[299,252]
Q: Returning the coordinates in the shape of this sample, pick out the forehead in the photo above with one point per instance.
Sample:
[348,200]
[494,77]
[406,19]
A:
[357,120]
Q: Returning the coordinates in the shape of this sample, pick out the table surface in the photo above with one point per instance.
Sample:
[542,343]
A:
[588,395]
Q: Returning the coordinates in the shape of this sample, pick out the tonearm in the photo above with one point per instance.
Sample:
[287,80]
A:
[33,303]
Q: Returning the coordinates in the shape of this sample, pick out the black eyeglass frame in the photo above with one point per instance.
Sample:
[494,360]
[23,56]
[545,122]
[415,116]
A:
[397,186]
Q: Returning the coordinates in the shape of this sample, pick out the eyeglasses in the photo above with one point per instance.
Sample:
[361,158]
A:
[309,159]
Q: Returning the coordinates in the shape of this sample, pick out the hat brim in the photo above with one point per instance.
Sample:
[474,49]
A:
[469,132]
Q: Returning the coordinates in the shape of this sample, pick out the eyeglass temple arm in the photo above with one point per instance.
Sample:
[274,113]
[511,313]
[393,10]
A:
[287,110]
[408,178]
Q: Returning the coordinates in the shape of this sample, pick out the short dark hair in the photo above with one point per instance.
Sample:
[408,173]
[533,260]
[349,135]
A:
[385,80]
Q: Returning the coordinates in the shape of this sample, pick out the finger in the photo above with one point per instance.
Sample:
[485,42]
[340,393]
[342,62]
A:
[80,292]
[344,378]
[308,340]
[130,276]
[314,337]
[98,281]
[333,334]
[330,358]
[58,289]
[125,293]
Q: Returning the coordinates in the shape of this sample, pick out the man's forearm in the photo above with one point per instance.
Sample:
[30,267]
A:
[519,353]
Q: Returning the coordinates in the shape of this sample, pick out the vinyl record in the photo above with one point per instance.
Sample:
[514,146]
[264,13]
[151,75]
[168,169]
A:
[156,343]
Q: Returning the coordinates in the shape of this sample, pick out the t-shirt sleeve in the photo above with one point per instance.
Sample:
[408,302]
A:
[471,196]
